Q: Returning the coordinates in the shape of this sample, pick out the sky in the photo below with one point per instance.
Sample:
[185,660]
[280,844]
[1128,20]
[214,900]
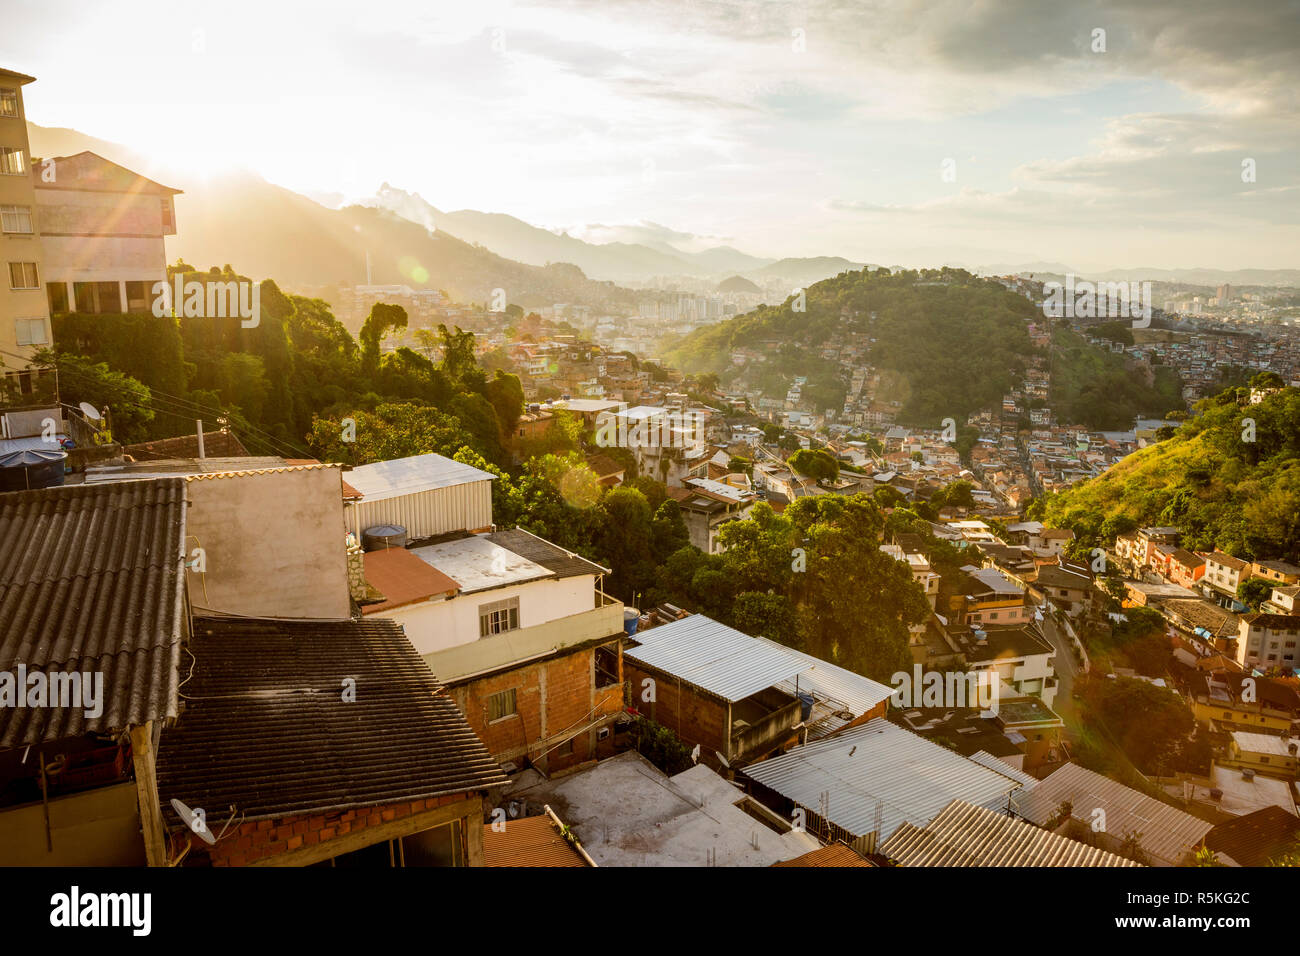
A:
[1100,134]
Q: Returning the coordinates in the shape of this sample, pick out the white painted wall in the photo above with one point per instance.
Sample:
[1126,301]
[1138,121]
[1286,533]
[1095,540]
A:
[437,625]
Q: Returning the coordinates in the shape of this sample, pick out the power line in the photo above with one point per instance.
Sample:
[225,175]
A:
[190,408]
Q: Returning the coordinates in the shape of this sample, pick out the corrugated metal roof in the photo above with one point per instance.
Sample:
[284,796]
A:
[90,581]
[405,476]
[833,855]
[714,657]
[1255,838]
[878,769]
[1167,832]
[986,759]
[826,681]
[967,835]
[266,727]
[530,841]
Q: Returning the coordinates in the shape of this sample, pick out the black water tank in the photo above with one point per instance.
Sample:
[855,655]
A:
[32,468]
[383,536]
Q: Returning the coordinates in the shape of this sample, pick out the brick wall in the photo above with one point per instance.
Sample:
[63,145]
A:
[695,719]
[260,839]
[554,698]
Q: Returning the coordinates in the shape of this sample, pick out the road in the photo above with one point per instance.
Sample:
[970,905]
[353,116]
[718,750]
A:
[1066,670]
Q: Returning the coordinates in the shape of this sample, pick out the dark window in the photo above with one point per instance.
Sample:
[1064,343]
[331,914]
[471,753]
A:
[58,296]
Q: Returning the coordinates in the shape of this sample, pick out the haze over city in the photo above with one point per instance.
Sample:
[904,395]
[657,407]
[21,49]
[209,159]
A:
[783,129]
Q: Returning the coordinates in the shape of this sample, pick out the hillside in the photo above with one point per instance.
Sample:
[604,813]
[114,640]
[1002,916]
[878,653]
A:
[738,284]
[1241,496]
[956,343]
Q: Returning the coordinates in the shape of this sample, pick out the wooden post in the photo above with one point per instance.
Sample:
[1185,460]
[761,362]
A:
[146,787]
[473,825]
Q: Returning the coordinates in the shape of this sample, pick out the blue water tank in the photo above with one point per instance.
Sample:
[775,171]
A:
[806,702]
[631,618]
[32,468]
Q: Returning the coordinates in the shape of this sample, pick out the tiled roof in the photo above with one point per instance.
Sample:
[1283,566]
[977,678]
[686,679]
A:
[967,835]
[90,581]
[266,727]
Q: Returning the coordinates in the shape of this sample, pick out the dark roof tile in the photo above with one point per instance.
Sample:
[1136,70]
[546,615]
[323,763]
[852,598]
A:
[91,581]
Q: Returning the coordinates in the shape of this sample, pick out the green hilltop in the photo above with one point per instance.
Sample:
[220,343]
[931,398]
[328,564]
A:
[1228,477]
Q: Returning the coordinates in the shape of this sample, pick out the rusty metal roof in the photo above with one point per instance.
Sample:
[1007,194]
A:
[402,578]
[266,726]
[91,581]
[530,841]
[833,855]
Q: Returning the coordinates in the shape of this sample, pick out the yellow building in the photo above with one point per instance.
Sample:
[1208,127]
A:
[24,310]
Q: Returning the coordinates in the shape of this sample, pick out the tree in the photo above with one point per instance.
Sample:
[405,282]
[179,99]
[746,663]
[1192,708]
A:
[815,463]
[1254,592]
[383,318]
[81,380]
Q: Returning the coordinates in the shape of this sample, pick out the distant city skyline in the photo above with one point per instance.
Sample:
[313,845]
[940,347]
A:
[914,132]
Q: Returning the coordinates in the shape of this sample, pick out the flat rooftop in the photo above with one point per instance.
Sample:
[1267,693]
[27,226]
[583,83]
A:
[626,812]
[477,564]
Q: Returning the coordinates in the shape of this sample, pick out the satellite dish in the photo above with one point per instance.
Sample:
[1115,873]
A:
[90,411]
[723,759]
[195,821]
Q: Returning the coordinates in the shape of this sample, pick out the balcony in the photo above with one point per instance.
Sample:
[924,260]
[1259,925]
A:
[526,643]
[761,721]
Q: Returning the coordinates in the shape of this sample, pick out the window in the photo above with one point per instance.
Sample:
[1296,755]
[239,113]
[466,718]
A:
[168,222]
[502,705]
[498,617]
[30,332]
[22,275]
[8,102]
[16,219]
[57,292]
[11,161]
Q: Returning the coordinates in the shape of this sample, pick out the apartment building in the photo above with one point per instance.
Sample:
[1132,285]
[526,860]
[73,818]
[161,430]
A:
[103,230]
[24,316]
[1268,640]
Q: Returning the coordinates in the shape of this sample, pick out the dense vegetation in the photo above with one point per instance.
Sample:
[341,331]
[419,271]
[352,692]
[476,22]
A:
[957,342]
[1103,390]
[813,577]
[1229,477]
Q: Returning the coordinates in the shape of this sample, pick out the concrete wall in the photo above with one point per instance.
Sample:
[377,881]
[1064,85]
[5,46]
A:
[93,828]
[273,543]
[19,191]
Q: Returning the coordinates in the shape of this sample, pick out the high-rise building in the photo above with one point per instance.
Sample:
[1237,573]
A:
[24,313]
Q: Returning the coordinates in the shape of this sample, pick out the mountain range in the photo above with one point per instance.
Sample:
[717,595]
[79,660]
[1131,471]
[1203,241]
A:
[397,236]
